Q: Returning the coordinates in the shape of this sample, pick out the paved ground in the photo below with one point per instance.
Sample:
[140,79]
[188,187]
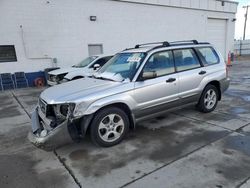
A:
[184,148]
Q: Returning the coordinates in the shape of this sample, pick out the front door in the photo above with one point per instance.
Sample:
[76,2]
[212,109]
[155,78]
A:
[160,92]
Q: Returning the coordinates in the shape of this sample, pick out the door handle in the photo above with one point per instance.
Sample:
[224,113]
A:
[171,80]
[202,72]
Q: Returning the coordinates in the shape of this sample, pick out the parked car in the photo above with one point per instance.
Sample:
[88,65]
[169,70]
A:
[80,70]
[136,84]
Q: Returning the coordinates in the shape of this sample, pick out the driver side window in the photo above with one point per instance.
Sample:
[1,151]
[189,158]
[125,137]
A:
[161,63]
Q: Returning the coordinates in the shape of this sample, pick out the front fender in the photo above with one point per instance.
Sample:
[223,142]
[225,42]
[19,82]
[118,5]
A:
[117,99]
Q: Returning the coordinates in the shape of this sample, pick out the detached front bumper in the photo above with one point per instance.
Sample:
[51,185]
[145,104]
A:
[46,137]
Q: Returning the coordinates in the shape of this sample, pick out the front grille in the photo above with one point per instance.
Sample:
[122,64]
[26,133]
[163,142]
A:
[43,106]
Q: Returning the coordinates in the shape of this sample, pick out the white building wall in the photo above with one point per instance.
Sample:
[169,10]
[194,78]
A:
[41,29]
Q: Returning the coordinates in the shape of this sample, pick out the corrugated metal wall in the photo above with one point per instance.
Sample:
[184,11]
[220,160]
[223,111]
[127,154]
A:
[242,47]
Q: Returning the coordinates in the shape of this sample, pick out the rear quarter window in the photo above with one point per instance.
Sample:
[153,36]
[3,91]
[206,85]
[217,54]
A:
[208,55]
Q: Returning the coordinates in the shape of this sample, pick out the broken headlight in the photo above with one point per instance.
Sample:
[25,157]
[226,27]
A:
[64,110]
[54,79]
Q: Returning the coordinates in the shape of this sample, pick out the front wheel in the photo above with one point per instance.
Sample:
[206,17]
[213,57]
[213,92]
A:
[209,99]
[109,127]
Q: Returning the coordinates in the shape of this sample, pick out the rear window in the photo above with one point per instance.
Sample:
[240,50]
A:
[208,55]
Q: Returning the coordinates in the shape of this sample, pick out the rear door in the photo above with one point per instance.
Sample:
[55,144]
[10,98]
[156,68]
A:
[190,73]
[159,93]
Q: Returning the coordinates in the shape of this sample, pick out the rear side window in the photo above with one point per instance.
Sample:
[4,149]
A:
[208,55]
[185,59]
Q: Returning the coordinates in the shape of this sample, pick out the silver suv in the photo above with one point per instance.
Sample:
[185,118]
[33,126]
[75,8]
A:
[136,84]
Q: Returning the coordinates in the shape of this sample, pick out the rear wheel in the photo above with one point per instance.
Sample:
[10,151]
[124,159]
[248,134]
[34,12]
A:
[109,127]
[209,99]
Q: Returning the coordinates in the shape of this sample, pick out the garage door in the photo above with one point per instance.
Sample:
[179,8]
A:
[216,34]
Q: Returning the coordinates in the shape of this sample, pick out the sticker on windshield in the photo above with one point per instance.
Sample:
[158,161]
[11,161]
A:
[134,59]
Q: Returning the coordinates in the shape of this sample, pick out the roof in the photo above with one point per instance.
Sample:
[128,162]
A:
[143,48]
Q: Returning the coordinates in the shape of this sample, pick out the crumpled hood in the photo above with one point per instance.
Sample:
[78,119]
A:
[76,90]
[63,70]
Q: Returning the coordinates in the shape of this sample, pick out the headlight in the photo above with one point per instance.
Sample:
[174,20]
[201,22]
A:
[63,110]
[60,77]
[54,78]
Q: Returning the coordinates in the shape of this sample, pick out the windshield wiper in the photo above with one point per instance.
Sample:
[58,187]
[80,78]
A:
[103,78]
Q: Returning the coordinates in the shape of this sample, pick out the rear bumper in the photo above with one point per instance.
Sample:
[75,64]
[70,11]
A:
[50,138]
[224,84]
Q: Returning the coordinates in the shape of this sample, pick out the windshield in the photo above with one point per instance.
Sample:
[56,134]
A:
[122,66]
[85,62]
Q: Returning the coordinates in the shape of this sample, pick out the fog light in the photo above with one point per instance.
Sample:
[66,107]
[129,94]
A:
[44,133]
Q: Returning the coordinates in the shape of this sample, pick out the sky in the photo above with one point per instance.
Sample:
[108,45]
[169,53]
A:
[239,26]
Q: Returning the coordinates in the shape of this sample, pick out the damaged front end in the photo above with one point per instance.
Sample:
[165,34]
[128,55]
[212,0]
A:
[52,126]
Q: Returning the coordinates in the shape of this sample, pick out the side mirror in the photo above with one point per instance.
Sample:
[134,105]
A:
[96,66]
[148,75]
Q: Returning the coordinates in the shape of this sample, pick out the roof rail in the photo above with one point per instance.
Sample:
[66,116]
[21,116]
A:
[167,44]
[185,41]
[164,44]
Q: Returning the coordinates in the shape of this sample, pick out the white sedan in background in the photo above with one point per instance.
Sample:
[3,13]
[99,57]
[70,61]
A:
[80,70]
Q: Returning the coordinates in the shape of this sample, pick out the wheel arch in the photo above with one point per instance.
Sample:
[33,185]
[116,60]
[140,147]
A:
[87,119]
[216,83]
[123,107]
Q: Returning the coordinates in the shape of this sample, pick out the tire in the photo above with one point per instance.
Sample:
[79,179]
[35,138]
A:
[209,99]
[109,127]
